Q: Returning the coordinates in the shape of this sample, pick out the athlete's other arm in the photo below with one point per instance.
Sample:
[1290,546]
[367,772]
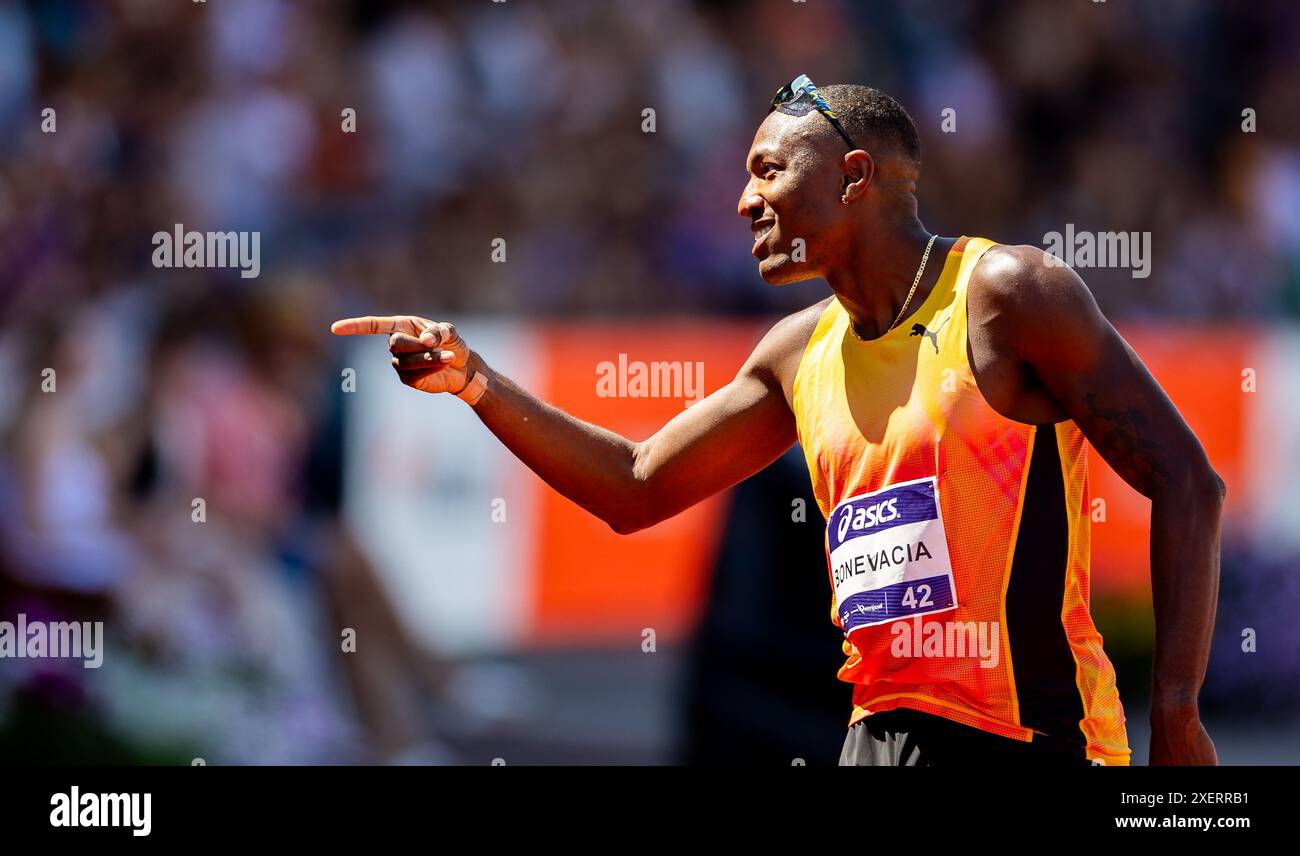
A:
[1049,318]
[710,446]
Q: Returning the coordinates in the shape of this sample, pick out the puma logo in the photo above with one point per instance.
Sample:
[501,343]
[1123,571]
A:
[919,330]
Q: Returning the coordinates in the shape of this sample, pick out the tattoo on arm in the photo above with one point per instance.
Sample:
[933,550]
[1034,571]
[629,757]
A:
[1119,438]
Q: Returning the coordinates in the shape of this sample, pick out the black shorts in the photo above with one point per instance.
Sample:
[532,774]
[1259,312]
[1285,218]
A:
[909,738]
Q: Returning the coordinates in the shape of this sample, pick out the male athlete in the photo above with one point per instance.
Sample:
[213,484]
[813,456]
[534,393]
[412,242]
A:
[941,396]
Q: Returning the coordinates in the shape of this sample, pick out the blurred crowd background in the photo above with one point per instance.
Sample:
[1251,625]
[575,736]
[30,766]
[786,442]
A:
[477,120]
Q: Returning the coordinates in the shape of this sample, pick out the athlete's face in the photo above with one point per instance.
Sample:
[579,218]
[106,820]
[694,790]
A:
[792,198]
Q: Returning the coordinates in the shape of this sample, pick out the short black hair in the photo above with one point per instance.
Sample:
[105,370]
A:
[872,118]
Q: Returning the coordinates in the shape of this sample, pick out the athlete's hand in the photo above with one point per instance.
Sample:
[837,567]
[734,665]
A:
[1178,737]
[427,355]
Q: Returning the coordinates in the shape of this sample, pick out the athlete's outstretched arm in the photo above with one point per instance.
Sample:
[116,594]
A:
[710,446]
[1055,327]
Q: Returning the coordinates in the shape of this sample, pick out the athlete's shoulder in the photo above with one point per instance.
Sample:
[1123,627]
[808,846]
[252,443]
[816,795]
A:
[780,350]
[798,326]
[1020,282]
[791,333]
[1031,302]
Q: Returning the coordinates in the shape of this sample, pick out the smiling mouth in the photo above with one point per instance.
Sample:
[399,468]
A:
[761,231]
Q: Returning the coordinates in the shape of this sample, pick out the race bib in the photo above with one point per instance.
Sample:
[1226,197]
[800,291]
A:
[889,555]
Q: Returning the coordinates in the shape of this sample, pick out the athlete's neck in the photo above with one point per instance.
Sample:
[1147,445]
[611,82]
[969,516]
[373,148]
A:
[873,285]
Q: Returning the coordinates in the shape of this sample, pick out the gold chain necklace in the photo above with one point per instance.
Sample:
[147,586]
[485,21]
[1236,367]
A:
[915,282]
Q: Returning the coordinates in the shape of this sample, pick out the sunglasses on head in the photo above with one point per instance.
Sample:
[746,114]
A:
[803,89]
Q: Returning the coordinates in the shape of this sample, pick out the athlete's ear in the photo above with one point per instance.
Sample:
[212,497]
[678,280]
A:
[859,170]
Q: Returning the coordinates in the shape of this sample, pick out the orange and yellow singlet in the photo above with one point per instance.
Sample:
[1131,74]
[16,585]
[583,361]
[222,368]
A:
[957,539]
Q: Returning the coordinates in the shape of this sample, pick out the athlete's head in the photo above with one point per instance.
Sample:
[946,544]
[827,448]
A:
[807,182]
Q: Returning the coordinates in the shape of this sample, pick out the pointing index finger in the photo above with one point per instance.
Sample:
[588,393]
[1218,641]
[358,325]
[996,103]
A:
[378,325]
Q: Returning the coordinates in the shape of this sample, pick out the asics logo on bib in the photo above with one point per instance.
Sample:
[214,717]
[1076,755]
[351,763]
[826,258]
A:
[868,516]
